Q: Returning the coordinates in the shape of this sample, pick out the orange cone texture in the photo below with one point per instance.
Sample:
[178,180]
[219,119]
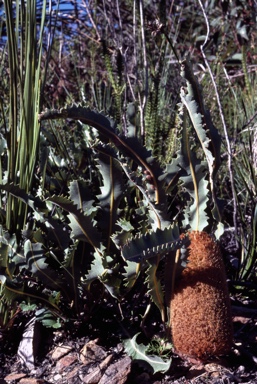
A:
[201,322]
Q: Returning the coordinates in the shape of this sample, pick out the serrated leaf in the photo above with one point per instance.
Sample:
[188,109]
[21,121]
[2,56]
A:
[96,270]
[196,119]
[197,187]
[13,290]
[207,133]
[158,212]
[129,146]
[151,244]
[172,172]
[111,282]
[112,190]
[101,270]
[122,237]
[81,225]
[177,261]
[81,196]
[193,177]
[138,353]
[9,257]
[57,233]
[33,202]
[37,265]
[151,247]
[131,273]
[28,307]
[154,287]
[8,290]
[74,265]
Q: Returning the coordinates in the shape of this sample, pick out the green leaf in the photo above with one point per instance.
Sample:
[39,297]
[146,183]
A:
[196,119]
[12,291]
[25,48]
[9,291]
[37,264]
[47,318]
[33,202]
[138,353]
[57,233]
[193,177]
[112,191]
[148,250]
[155,243]
[28,307]
[81,195]
[121,238]
[129,146]
[10,258]
[207,133]
[82,225]
[154,286]
[104,269]
[197,186]
[111,281]
[131,273]
[96,270]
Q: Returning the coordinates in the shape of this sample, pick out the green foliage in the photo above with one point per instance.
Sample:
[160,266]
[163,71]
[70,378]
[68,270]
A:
[116,80]
[120,226]
[138,352]
[100,198]
[160,347]
[46,317]
[112,164]
[24,55]
[147,246]
[21,89]
[95,217]
[245,184]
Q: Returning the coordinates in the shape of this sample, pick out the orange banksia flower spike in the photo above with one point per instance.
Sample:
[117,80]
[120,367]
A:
[201,322]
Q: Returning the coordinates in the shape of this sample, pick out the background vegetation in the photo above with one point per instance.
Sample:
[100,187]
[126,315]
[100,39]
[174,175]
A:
[62,230]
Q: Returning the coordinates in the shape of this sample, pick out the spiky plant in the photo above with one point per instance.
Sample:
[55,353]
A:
[200,315]
[158,237]
[200,311]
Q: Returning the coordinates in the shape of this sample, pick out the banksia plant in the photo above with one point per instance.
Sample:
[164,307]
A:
[200,316]
[200,309]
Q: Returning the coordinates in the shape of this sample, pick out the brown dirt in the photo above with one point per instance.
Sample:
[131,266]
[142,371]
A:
[87,356]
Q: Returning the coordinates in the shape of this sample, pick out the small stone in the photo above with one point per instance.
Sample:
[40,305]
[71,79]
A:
[15,376]
[92,353]
[28,380]
[117,373]
[65,362]
[105,362]
[96,373]
[61,351]
[57,377]
[92,377]
[72,373]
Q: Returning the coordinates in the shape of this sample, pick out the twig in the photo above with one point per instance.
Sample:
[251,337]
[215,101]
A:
[92,20]
[119,17]
[249,121]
